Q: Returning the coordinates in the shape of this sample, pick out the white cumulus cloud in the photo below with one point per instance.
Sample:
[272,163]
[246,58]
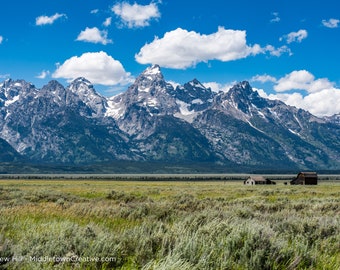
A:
[43,74]
[295,36]
[323,103]
[107,21]
[321,97]
[302,80]
[94,35]
[278,51]
[331,23]
[263,78]
[97,67]
[136,15]
[43,20]
[181,49]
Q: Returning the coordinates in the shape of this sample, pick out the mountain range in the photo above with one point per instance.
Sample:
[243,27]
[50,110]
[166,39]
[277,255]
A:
[154,122]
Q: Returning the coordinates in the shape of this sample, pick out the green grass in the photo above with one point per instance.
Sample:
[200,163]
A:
[74,224]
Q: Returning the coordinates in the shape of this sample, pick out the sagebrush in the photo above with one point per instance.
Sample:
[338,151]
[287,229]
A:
[168,225]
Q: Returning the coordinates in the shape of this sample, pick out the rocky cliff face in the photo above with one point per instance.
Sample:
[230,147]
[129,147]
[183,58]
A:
[153,121]
[57,124]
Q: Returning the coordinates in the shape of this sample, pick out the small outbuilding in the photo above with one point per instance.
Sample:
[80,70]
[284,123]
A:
[258,180]
[305,178]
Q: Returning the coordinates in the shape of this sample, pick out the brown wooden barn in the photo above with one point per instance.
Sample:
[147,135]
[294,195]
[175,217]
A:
[305,178]
[258,180]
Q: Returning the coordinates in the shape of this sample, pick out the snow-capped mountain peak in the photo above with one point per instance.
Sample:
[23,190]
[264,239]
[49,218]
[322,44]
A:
[153,120]
[84,89]
[242,97]
[81,86]
[81,80]
[192,97]
[196,83]
[150,81]
[12,90]
[152,70]
[335,119]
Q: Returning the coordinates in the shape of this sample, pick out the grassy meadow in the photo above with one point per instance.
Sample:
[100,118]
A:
[96,224]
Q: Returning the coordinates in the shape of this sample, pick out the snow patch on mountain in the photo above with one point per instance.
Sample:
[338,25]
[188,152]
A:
[114,109]
[152,70]
[86,92]
[157,120]
[14,99]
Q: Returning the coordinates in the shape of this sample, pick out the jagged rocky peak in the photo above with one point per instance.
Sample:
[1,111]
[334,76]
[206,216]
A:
[16,84]
[334,119]
[149,93]
[243,97]
[240,93]
[53,86]
[196,86]
[196,83]
[194,92]
[151,74]
[11,89]
[242,88]
[84,89]
[150,81]
[5,83]
[55,91]
[154,70]
[81,85]
[81,80]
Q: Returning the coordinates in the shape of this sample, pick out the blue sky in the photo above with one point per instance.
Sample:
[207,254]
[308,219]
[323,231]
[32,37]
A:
[287,49]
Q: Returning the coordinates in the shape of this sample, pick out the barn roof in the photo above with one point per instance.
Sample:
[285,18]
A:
[257,178]
[309,173]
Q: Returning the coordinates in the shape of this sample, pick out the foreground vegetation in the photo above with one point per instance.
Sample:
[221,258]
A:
[168,225]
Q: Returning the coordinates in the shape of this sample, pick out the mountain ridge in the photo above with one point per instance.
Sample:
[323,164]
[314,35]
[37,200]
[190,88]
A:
[153,121]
